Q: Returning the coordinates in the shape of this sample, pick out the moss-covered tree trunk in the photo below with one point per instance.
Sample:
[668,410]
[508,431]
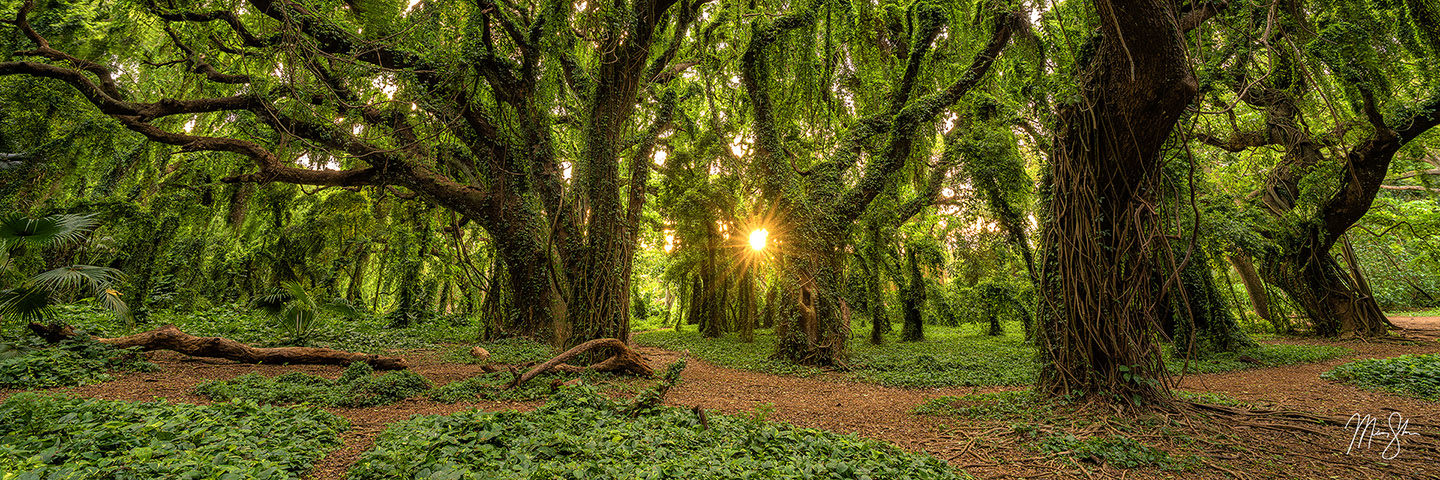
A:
[912,300]
[1204,322]
[1097,332]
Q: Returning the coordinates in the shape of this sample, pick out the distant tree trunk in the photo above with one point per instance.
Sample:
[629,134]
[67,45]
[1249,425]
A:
[745,321]
[1097,326]
[767,320]
[357,274]
[1254,288]
[712,312]
[1206,325]
[913,301]
[875,304]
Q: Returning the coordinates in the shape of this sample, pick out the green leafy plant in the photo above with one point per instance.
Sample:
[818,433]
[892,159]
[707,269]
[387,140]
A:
[45,436]
[1413,375]
[356,387]
[1114,450]
[296,311]
[32,299]
[490,386]
[580,434]
[78,361]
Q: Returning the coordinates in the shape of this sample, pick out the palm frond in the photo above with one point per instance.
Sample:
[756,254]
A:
[54,230]
[343,308]
[26,303]
[78,278]
[299,295]
[110,299]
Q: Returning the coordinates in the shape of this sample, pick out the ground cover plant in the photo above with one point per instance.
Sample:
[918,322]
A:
[1413,375]
[32,363]
[579,434]
[954,356]
[357,386]
[366,334]
[45,436]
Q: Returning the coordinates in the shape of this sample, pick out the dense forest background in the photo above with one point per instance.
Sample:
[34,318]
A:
[567,171]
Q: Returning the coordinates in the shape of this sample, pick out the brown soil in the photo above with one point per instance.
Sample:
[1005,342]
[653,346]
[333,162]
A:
[1245,446]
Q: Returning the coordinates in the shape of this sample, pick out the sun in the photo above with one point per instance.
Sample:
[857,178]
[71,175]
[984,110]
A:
[757,239]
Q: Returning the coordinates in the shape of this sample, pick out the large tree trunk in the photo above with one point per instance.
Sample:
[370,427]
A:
[1327,295]
[1098,330]
[169,337]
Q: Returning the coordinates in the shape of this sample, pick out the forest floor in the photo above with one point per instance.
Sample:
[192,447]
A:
[1239,443]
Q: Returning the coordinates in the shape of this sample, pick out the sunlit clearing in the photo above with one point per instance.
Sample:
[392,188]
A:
[757,239]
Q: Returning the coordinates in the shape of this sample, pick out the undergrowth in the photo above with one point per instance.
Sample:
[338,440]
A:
[1416,375]
[31,363]
[950,356]
[512,351]
[45,436]
[1267,355]
[1115,450]
[356,387]
[580,434]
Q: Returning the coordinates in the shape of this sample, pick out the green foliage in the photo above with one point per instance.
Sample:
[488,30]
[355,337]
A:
[368,335]
[78,361]
[46,436]
[1416,375]
[578,434]
[31,299]
[513,351]
[299,313]
[1267,355]
[356,387]
[1210,398]
[1114,450]
[727,351]
[490,386]
[950,356]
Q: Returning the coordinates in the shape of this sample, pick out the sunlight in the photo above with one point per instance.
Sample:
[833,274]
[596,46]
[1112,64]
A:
[757,239]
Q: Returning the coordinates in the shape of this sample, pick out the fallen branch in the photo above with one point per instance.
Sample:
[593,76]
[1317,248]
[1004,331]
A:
[169,337]
[624,360]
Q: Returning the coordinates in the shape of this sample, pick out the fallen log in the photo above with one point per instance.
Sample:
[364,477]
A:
[625,360]
[169,337]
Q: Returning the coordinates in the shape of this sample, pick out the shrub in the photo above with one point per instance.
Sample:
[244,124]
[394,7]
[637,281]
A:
[45,436]
[356,387]
[1413,375]
[580,434]
[77,361]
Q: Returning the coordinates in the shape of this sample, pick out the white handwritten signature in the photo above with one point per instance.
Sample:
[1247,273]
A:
[1365,429]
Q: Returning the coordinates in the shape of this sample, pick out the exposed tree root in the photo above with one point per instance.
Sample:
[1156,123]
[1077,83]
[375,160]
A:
[169,337]
[625,360]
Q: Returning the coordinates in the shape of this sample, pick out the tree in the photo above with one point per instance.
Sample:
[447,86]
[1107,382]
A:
[472,106]
[1097,317]
[812,187]
[1333,160]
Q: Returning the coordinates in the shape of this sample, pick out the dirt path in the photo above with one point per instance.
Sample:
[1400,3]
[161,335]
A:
[883,413]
